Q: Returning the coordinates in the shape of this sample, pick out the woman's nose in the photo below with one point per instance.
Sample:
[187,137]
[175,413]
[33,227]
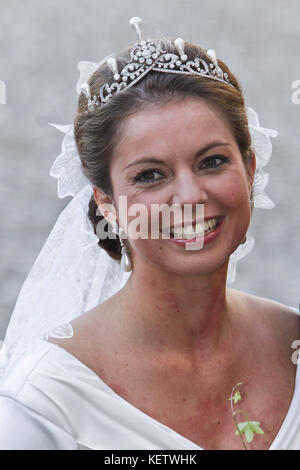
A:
[188,189]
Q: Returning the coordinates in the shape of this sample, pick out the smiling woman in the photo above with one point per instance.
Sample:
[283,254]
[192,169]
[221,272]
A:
[153,364]
[185,177]
[139,109]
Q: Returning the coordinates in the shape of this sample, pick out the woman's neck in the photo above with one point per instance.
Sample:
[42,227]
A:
[188,314]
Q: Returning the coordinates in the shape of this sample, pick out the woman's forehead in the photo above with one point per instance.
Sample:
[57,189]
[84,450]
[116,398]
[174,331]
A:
[176,125]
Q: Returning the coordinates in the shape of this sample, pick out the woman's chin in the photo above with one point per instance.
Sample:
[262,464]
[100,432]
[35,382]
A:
[183,266]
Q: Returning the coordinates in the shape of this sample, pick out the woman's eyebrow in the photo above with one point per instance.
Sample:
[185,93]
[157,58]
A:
[157,160]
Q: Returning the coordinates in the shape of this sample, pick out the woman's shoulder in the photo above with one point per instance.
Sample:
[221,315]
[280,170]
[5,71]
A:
[263,304]
[23,428]
[41,378]
[24,368]
[269,306]
[92,334]
[35,403]
[269,316]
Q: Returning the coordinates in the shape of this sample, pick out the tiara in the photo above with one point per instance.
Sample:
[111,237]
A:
[146,55]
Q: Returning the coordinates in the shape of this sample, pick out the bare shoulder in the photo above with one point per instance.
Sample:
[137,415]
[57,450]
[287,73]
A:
[89,332]
[270,315]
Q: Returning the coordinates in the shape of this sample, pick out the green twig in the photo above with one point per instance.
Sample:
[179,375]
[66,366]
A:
[234,415]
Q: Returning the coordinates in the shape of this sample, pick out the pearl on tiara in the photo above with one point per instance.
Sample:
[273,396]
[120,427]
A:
[146,55]
[212,55]
[112,65]
[135,22]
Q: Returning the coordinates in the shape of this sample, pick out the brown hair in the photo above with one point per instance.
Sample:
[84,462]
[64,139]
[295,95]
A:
[96,133]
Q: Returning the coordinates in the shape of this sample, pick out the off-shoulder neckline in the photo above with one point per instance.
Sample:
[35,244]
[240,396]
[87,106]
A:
[193,445]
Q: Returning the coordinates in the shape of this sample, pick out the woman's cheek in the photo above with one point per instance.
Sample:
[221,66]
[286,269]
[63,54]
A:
[235,193]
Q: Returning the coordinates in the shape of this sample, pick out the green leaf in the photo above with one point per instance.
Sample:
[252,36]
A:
[249,428]
[249,434]
[255,425]
[237,397]
[242,427]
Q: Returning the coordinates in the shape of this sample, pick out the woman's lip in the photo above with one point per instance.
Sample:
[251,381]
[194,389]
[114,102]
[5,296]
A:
[214,233]
[207,237]
[195,222]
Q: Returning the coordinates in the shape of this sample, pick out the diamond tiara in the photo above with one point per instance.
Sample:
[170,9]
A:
[145,56]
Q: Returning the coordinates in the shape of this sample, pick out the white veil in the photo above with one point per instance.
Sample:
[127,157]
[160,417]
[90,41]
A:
[72,273]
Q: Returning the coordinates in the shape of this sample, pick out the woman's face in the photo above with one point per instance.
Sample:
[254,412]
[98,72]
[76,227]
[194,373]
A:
[174,136]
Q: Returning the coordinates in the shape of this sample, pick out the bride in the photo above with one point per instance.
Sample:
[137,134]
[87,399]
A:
[154,365]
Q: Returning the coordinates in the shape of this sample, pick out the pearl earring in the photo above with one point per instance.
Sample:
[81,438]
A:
[125,259]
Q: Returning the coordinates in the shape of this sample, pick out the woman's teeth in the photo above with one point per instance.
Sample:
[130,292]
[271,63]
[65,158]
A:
[189,232]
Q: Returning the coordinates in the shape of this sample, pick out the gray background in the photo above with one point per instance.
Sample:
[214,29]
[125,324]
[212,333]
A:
[41,43]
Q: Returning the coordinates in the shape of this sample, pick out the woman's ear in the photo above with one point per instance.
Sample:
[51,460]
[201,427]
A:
[105,204]
[251,169]
[100,196]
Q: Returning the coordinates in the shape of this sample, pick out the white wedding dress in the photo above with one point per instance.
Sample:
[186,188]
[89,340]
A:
[52,401]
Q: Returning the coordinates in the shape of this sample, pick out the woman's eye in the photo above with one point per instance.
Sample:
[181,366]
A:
[146,176]
[210,162]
